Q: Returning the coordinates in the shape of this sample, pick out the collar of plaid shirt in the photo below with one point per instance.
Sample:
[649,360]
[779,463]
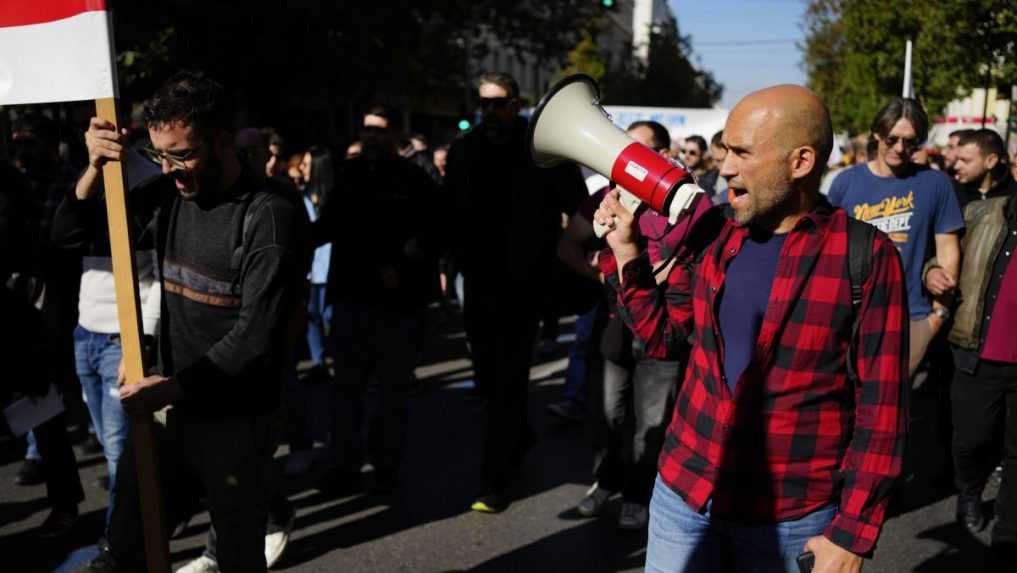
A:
[796,435]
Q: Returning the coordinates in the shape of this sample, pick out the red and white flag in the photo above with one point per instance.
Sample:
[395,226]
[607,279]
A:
[55,50]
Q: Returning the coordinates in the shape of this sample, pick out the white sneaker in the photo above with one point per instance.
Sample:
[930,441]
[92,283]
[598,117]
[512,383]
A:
[594,501]
[633,516]
[200,565]
[298,463]
[276,542]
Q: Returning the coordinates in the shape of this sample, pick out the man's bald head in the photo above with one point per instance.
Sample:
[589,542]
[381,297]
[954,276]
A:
[778,142]
[796,116]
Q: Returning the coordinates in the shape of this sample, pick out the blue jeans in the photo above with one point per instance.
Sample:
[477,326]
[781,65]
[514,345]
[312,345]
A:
[97,359]
[319,317]
[683,541]
[32,447]
[575,375]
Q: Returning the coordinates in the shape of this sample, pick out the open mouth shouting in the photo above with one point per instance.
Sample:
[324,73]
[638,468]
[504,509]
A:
[737,196]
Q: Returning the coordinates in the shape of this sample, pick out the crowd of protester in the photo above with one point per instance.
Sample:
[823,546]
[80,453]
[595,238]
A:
[264,269]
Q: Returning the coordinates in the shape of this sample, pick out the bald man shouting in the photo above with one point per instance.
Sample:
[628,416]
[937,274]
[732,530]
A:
[774,450]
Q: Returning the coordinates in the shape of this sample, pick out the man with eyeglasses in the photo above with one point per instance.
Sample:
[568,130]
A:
[506,221]
[916,206]
[231,265]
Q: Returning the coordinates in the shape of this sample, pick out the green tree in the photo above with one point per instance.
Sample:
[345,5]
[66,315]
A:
[854,52]
[586,58]
[668,79]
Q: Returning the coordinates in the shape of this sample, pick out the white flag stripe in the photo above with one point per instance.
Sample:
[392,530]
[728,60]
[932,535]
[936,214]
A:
[63,60]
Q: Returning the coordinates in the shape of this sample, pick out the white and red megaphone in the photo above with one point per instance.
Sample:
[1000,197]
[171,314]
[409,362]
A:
[570,124]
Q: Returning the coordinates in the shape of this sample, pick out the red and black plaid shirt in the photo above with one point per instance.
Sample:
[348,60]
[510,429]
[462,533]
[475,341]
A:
[797,434]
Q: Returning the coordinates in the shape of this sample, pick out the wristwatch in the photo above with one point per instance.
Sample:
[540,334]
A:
[942,313]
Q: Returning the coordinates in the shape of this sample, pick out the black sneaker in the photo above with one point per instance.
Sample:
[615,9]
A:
[58,523]
[90,446]
[31,472]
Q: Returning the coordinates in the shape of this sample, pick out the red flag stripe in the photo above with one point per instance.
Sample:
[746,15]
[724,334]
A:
[28,12]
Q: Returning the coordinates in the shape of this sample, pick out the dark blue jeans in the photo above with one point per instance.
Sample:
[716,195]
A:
[575,375]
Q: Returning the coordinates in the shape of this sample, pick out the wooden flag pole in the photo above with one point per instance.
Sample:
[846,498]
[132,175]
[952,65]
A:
[129,313]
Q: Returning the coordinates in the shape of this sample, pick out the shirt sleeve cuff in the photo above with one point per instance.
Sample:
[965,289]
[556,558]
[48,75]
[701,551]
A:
[856,536]
[638,273]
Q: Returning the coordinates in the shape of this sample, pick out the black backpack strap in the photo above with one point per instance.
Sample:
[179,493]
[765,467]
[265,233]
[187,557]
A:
[254,202]
[859,256]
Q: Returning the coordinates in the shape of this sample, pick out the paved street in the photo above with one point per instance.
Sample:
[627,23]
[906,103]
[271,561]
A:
[427,527]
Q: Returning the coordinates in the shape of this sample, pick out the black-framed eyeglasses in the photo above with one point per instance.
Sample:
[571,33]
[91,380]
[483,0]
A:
[176,159]
[909,142]
[495,102]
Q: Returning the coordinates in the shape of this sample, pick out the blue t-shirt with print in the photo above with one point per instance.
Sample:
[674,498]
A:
[911,210]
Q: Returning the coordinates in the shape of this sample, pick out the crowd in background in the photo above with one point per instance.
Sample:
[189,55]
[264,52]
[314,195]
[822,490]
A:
[393,224]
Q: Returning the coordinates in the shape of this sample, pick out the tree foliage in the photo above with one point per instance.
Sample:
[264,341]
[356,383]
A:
[312,65]
[854,52]
[667,79]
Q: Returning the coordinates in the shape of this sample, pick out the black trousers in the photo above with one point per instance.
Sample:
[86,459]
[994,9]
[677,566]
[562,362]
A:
[502,331]
[375,350]
[63,484]
[224,457]
[984,419]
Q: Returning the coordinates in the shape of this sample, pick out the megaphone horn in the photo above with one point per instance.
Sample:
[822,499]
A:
[570,124]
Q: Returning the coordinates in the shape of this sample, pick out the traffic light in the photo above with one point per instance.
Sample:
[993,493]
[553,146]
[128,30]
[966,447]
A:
[607,4]
[464,124]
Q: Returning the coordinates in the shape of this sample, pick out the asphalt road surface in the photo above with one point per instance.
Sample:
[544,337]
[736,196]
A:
[426,525]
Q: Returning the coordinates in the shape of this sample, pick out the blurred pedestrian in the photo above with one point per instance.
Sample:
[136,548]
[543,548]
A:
[440,159]
[318,171]
[51,279]
[505,226]
[381,220]
[80,226]
[984,391]
[632,393]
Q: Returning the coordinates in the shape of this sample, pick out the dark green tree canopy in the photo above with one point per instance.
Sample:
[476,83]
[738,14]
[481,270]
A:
[854,52]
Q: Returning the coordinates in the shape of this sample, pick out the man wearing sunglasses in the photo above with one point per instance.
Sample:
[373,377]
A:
[505,228]
[916,206]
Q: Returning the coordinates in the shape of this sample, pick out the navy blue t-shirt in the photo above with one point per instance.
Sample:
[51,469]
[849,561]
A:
[910,210]
[744,298]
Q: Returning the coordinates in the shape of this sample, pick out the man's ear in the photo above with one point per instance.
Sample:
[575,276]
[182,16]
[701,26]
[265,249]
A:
[991,161]
[803,161]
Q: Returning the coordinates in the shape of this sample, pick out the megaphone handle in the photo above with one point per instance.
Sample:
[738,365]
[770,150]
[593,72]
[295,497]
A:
[628,200]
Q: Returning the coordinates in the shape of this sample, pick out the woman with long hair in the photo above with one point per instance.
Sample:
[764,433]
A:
[317,179]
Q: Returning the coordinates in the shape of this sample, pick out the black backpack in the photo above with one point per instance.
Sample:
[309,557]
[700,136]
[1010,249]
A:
[859,256]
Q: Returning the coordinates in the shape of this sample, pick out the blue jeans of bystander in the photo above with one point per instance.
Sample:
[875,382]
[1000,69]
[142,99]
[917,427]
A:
[97,359]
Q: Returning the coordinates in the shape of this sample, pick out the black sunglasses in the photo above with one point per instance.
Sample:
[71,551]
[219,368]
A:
[909,142]
[494,102]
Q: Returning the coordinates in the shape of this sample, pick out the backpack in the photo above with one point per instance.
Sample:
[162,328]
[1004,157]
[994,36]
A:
[859,258]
